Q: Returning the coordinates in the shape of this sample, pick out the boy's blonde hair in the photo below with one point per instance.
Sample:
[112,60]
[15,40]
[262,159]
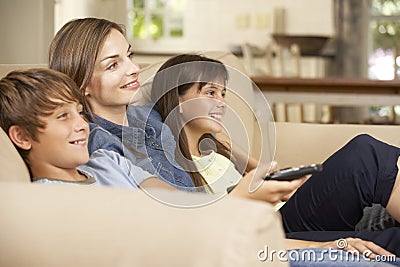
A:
[28,95]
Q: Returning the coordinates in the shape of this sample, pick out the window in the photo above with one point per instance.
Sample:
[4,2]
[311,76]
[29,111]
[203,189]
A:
[155,19]
[384,56]
[384,60]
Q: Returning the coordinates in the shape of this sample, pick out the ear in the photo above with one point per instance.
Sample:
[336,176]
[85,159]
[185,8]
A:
[180,104]
[19,137]
[86,92]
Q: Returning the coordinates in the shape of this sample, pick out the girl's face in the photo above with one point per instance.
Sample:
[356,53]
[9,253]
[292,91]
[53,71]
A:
[115,76]
[202,110]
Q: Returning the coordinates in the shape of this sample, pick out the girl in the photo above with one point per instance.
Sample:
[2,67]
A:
[189,91]
[193,111]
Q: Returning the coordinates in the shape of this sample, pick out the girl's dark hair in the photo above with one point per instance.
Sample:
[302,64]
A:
[174,78]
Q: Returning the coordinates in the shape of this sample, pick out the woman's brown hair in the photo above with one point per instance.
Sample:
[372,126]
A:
[173,79]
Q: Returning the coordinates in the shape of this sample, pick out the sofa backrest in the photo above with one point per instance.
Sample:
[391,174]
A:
[12,167]
[6,68]
[307,143]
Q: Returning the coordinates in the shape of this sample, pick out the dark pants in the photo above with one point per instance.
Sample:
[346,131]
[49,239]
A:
[361,173]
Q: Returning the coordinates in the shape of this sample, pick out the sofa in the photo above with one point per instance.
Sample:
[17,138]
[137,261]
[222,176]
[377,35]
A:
[49,225]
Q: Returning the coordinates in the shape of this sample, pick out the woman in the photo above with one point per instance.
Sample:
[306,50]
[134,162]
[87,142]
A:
[95,72]
[95,53]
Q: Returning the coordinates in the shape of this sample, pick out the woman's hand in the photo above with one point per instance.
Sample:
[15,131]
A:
[355,245]
[269,191]
[352,245]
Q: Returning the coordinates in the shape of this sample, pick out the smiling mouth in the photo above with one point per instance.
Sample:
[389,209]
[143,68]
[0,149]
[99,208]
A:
[132,85]
[78,142]
[216,116]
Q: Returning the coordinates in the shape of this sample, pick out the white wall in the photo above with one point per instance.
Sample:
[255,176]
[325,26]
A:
[65,10]
[27,26]
[26,30]
[223,24]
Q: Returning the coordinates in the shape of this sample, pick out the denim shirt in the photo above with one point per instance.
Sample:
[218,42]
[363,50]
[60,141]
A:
[147,142]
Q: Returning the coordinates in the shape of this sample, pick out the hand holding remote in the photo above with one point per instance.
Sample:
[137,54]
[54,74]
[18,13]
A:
[292,173]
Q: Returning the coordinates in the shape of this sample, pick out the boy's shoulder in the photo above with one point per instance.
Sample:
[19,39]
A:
[111,168]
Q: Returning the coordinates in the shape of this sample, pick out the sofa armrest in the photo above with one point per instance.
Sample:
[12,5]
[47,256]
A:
[49,225]
[12,167]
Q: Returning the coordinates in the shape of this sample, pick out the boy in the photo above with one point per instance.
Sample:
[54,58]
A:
[40,110]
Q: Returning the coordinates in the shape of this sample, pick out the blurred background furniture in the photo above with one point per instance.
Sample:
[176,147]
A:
[326,93]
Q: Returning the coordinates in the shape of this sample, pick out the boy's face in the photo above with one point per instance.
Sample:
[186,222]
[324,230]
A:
[63,142]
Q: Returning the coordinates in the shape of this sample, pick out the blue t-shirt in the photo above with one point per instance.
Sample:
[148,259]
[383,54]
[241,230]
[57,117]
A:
[107,168]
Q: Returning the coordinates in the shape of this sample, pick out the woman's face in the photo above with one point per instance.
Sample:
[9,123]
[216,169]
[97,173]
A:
[202,110]
[115,76]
